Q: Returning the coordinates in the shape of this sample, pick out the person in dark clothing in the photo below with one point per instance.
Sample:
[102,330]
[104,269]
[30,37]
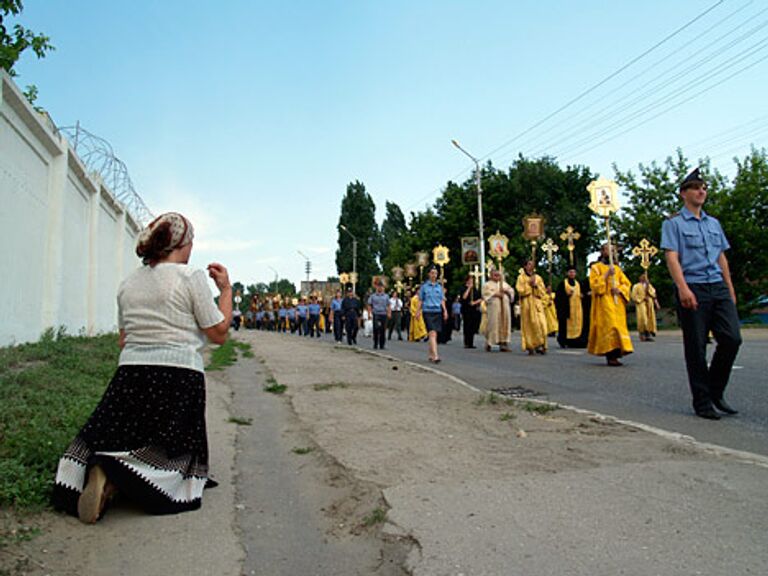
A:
[350,309]
[470,311]
[569,306]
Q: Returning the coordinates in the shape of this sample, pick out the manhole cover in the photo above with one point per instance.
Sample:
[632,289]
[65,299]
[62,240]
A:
[516,392]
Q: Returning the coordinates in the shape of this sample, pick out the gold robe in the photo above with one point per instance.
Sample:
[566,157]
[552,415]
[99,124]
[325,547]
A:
[498,312]
[644,297]
[575,318]
[533,321]
[417,329]
[608,319]
[551,313]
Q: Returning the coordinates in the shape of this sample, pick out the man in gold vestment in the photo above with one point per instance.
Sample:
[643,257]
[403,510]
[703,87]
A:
[498,297]
[644,297]
[533,322]
[417,330]
[608,333]
[550,312]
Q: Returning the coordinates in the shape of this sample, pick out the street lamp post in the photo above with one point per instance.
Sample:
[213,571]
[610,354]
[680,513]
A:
[308,266]
[354,256]
[479,208]
[275,271]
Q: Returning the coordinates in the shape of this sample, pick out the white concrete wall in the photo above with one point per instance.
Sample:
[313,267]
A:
[65,242]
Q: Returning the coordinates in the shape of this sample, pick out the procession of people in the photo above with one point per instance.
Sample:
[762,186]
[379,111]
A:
[589,312]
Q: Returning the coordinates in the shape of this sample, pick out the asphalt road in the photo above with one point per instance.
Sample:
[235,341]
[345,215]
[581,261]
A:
[651,387]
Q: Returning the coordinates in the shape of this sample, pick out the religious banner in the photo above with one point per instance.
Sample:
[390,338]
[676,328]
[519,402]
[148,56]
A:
[498,246]
[440,255]
[380,278]
[344,278]
[422,258]
[397,273]
[411,270]
[470,250]
[604,195]
[533,227]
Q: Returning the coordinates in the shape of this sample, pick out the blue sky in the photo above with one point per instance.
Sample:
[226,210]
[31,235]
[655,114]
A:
[252,117]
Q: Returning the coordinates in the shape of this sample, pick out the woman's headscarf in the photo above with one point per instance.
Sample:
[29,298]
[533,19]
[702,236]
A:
[163,235]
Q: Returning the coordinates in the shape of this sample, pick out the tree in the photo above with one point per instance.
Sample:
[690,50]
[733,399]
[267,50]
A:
[283,287]
[13,43]
[529,186]
[393,228]
[358,215]
[743,212]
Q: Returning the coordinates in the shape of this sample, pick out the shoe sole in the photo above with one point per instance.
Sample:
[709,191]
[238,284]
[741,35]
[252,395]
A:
[90,503]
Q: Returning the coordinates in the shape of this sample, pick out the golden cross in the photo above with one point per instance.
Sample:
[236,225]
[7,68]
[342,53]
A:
[646,251]
[550,248]
[570,235]
[476,274]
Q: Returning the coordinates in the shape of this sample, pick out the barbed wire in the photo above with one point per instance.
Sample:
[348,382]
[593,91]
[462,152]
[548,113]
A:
[98,156]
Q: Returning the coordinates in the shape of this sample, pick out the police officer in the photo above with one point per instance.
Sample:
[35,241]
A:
[350,308]
[695,246]
[337,317]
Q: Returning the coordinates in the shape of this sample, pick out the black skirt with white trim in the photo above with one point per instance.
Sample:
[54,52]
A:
[148,433]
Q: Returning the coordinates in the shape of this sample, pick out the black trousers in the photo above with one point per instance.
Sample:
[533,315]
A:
[338,326]
[716,312]
[471,326]
[313,326]
[351,327]
[379,330]
[395,323]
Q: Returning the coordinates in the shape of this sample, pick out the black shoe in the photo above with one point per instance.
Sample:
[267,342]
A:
[707,413]
[723,406]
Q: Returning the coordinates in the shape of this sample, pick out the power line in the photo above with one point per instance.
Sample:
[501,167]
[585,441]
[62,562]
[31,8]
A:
[697,94]
[603,81]
[702,36]
[611,111]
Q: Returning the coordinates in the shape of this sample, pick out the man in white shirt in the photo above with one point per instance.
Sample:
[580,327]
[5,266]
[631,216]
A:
[395,322]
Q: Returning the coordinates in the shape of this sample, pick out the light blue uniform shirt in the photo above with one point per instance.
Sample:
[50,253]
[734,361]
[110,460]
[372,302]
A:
[302,310]
[378,303]
[431,296]
[698,242]
[336,305]
[314,309]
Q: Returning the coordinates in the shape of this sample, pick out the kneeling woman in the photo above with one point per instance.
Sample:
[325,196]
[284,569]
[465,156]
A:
[147,437]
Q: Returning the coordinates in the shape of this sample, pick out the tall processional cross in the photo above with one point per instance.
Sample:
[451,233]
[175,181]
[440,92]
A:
[570,235]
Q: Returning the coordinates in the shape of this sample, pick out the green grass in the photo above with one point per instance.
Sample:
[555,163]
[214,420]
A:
[377,516]
[329,386]
[240,421]
[226,354]
[507,416]
[491,399]
[47,391]
[273,387]
[541,409]
[302,451]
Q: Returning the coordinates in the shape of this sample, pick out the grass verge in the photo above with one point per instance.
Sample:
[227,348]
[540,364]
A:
[47,391]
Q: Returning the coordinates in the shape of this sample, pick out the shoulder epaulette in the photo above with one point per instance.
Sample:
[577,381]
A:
[670,216]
